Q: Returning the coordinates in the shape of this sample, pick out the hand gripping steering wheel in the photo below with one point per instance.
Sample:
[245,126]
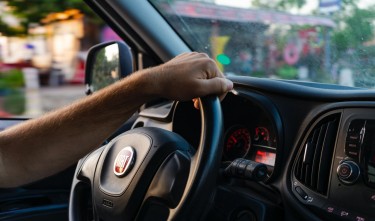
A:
[151,173]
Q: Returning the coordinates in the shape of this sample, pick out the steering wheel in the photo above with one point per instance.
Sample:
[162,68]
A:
[151,173]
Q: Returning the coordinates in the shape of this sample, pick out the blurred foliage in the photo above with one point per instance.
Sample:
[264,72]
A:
[11,79]
[260,74]
[11,83]
[33,11]
[15,102]
[354,25]
[357,29]
[10,31]
[287,72]
[279,5]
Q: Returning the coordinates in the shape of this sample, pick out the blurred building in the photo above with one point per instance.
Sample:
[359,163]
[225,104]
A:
[57,46]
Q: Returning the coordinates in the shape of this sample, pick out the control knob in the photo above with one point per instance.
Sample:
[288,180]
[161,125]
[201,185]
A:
[348,172]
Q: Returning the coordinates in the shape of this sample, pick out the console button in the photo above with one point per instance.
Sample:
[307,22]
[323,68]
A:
[359,218]
[334,210]
[331,209]
[356,126]
[348,172]
[352,149]
[352,153]
[352,145]
[344,213]
[344,171]
[301,193]
[352,137]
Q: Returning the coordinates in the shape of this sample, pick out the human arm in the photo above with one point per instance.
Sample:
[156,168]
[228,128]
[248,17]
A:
[44,146]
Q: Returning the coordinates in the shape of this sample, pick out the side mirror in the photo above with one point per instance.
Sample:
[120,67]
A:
[107,63]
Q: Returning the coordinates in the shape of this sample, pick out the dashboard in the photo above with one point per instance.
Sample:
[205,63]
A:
[250,131]
[316,140]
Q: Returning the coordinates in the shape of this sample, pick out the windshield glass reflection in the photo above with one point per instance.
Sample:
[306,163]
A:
[106,67]
[329,41]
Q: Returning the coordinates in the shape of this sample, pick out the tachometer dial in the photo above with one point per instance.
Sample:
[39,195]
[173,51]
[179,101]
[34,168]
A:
[237,143]
[262,136]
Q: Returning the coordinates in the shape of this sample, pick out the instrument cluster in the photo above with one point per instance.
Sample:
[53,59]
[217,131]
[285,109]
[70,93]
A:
[257,143]
[249,132]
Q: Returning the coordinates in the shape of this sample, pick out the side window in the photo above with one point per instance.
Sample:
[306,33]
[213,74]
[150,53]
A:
[42,54]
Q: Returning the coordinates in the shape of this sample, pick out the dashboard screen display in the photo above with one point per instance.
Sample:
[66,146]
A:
[264,157]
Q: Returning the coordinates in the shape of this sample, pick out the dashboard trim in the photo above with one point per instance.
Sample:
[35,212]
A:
[272,112]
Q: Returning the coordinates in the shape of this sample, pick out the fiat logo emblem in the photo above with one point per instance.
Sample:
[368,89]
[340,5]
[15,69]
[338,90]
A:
[124,161]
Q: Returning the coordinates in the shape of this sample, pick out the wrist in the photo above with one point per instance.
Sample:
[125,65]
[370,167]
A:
[150,82]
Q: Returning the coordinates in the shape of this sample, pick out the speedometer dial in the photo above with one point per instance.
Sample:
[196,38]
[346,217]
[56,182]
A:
[237,143]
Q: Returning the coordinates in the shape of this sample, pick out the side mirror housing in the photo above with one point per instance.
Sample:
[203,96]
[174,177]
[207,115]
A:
[107,63]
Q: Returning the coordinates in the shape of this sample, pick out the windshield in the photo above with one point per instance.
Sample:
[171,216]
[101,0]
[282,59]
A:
[328,41]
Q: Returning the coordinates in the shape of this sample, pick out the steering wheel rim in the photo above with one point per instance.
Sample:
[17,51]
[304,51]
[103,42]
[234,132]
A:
[204,166]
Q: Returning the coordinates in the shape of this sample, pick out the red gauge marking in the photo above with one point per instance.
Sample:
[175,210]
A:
[237,143]
[261,134]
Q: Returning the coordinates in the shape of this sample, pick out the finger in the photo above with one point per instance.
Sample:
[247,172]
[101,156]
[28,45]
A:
[216,85]
[222,96]
[211,68]
[196,103]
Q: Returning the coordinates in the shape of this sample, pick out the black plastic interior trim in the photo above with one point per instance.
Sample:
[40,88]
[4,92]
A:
[313,91]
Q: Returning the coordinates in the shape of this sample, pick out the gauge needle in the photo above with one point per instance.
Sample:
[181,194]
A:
[234,139]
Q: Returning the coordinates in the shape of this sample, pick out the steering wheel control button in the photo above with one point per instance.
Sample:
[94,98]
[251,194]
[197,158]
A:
[241,168]
[301,193]
[348,172]
[124,161]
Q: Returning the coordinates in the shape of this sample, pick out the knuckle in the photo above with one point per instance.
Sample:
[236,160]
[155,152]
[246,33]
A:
[223,85]
[210,63]
[203,55]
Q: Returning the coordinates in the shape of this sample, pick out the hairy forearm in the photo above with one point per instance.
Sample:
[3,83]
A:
[44,146]
[40,147]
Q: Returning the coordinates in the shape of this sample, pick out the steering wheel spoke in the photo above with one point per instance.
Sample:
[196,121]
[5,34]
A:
[86,166]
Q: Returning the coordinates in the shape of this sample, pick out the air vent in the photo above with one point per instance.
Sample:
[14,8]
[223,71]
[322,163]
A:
[314,160]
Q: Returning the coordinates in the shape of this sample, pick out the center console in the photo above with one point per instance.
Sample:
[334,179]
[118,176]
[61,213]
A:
[350,185]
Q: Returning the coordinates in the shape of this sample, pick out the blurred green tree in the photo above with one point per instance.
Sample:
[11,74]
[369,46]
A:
[354,25]
[356,29]
[34,11]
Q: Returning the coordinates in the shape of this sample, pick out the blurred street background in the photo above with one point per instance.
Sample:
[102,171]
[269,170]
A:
[44,44]
[43,48]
